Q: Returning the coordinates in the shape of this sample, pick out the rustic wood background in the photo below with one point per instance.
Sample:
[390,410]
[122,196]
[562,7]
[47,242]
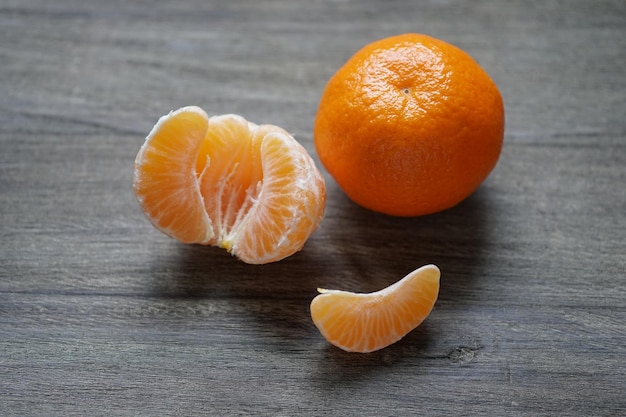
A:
[100,314]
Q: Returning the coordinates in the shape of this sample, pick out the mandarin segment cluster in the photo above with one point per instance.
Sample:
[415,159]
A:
[410,125]
[223,181]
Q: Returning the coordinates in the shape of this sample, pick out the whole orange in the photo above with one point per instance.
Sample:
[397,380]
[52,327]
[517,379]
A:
[410,125]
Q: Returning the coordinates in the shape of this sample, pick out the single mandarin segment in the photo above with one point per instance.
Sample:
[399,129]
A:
[165,180]
[410,125]
[223,181]
[365,323]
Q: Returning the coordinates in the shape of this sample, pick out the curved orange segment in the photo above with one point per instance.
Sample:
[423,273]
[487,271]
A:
[165,179]
[368,322]
[291,200]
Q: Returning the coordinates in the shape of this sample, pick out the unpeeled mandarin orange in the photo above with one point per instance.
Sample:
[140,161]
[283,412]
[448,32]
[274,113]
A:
[410,125]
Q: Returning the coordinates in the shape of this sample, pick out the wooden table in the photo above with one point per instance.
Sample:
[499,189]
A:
[100,314]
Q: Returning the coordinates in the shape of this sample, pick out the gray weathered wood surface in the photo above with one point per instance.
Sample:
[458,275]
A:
[100,314]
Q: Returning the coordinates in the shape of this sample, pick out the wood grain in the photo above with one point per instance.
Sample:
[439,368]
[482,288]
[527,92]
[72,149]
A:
[100,314]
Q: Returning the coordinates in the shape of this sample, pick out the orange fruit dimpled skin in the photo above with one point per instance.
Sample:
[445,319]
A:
[410,125]
[368,322]
[223,181]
